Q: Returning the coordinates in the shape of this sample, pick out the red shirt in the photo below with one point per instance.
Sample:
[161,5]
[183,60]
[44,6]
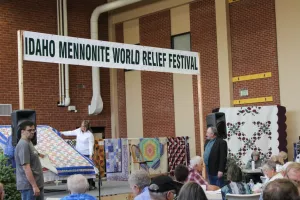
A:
[195,176]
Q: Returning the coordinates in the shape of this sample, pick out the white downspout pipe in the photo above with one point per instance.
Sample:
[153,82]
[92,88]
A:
[67,99]
[96,106]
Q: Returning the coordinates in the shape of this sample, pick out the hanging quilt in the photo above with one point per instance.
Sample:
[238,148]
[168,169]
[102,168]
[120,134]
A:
[99,157]
[123,175]
[113,155]
[153,150]
[62,156]
[178,152]
[254,128]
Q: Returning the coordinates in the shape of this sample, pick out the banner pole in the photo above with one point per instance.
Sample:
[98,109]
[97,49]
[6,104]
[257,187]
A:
[201,117]
[20,70]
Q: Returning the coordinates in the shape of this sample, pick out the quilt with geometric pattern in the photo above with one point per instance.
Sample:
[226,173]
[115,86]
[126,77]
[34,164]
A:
[63,157]
[113,154]
[260,128]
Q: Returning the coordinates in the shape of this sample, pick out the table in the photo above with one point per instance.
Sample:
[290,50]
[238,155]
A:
[213,195]
[253,174]
[250,171]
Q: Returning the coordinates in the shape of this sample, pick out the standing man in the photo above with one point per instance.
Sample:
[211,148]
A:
[29,173]
[215,157]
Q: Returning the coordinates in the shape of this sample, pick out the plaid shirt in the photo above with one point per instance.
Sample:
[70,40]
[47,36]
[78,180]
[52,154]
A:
[195,176]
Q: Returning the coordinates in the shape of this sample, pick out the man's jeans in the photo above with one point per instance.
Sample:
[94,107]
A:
[214,180]
[28,195]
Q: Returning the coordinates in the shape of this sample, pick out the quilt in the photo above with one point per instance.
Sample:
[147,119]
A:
[99,157]
[253,128]
[153,150]
[124,174]
[62,156]
[113,154]
[178,152]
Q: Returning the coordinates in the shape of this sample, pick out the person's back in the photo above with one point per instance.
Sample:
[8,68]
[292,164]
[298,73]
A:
[79,197]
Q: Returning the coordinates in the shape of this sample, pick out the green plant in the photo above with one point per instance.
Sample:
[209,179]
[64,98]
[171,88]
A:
[8,178]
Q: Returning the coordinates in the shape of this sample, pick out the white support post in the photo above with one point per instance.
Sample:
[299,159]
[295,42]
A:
[20,70]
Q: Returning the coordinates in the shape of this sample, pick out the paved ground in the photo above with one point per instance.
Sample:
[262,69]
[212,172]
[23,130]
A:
[107,188]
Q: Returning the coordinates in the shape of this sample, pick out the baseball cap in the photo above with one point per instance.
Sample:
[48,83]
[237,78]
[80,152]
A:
[162,184]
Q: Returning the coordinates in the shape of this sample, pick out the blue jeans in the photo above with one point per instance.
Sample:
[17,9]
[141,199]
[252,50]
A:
[214,180]
[28,195]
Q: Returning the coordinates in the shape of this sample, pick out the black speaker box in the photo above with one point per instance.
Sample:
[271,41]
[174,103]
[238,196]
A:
[17,118]
[217,120]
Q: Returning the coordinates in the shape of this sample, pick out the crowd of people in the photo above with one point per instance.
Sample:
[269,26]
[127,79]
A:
[281,178]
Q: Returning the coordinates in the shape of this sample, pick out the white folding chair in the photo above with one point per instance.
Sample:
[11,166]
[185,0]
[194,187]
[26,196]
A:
[243,196]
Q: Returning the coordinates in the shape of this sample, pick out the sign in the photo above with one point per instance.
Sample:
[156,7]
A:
[78,51]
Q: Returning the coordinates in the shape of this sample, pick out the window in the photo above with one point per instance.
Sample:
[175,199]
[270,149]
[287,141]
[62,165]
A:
[181,42]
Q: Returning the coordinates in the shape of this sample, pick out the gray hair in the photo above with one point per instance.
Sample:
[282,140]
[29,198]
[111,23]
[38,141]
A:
[269,165]
[140,178]
[157,195]
[77,184]
[196,160]
[214,130]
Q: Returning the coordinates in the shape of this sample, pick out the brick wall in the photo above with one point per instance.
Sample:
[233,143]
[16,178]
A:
[121,88]
[204,41]
[157,88]
[254,47]
[41,79]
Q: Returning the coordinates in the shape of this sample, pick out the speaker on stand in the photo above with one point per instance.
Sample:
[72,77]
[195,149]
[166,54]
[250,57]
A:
[217,120]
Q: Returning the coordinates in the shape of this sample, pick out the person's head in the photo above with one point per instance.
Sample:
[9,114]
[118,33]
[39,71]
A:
[284,168]
[211,133]
[197,163]
[281,189]
[234,173]
[27,130]
[2,193]
[181,173]
[85,125]
[269,168]
[191,191]
[282,156]
[162,188]
[138,180]
[77,184]
[255,155]
[292,172]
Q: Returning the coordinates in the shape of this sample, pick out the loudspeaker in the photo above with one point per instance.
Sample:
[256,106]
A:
[17,118]
[217,120]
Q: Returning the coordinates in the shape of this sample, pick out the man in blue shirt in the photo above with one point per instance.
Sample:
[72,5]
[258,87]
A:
[139,181]
[77,186]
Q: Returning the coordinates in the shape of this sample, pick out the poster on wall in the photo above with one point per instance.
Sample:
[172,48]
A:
[86,52]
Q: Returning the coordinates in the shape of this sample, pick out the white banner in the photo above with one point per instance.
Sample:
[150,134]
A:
[78,51]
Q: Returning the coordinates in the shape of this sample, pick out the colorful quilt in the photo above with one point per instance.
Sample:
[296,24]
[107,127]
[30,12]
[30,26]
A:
[252,128]
[178,152]
[154,150]
[63,157]
[113,155]
[123,175]
[99,157]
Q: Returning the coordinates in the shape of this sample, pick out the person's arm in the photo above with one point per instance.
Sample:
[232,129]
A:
[91,145]
[70,133]
[223,158]
[30,178]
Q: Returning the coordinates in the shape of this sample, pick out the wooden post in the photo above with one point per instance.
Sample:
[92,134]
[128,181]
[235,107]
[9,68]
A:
[20,70]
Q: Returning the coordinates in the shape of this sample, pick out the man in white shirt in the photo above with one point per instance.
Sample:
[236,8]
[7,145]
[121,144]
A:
[84,143]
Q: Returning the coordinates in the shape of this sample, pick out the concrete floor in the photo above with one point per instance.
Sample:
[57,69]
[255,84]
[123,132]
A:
[107,188]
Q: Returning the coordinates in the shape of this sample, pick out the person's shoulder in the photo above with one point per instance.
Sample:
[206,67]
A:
[22,143]
[79,197]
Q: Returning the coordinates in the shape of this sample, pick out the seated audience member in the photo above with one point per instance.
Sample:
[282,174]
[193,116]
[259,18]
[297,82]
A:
[139,182]
[236,185]
[2,193]
[269,170]
[162,188]
[77,186]
[284,168]
[292,172]
[255,156]
[192,191]
[281,189]
[195,170]
[181,174]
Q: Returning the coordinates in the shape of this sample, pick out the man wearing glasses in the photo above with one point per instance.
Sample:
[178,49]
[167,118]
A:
[29,173]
